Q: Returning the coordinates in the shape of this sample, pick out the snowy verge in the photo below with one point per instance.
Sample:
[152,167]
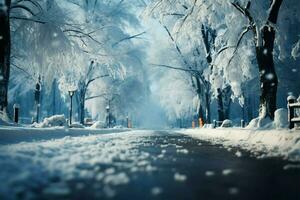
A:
[262,143]
[20,134]
[5,121]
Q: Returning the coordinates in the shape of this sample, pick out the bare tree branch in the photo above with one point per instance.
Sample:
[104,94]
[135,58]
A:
[238,7]
[103,95]
[23,70]
[245,11]
[94,97]
[82,33]
[186,17]
[176,45]
[28,19]
[36,4]
[128,38]
[274,10]
[23,7]
[95,78]
[198,74]
[238,43]
[194,72]
[174,14]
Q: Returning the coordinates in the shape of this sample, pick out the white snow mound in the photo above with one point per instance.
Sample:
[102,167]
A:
[260,123]
[77,125]
[281,118]
[226,123]
[4,120]
[98,124]
[53,121]
[280,121]
[262,143]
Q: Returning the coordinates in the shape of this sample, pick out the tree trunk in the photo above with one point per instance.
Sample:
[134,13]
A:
[268,77]
[200,111]
[227,110]
[264,39]
[208,37]
[249,108]
[82,105]
[226,94]
[54,97]
[220,106]
[207,111]
[4,53]
[264,55]
[82,111]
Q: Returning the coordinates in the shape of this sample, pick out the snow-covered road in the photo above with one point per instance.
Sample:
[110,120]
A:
[139,165]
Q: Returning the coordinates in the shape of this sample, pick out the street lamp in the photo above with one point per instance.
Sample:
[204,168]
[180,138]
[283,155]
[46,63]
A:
[71,94]
[108,116]
[37,98]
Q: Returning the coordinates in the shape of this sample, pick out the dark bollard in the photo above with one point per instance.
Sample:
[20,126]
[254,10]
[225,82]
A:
[291,111]
[127,122]
[16,112]
[215,123]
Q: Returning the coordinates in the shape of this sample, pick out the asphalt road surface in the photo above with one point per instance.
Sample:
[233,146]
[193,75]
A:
[163,165]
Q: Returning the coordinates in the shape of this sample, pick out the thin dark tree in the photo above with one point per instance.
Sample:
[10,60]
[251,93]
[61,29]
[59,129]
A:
[83,88]
[202,86]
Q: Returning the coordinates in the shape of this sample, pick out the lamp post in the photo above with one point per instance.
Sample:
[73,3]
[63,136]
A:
[127,122]
[16,112]
[71,94]
[108,116]
[37,98]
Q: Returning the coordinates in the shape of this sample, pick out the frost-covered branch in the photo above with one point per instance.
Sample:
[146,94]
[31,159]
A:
[128,38]
[274,10]
[193,72]
[24,8]
[81,33]
[238,43]
[187,16]
[23,70]
[174,14]
[244,11]
[103,95]
[176,46]
[28,19]
[96,78]
[34,3]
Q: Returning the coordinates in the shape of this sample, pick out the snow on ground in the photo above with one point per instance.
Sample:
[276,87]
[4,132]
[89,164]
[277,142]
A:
[11,134]
[53,121]
[51,164]
[262,143]
[99,124]
[5,121]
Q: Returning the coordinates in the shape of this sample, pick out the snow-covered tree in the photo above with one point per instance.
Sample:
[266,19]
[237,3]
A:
[242,50]
[57,40]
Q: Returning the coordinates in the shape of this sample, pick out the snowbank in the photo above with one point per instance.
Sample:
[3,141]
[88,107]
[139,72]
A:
[280,121]
[11,135]
[77,125]
[226,123]
[48,167]
[281,118]
[5,121]
[53,121]
[98,124]
[262,143]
